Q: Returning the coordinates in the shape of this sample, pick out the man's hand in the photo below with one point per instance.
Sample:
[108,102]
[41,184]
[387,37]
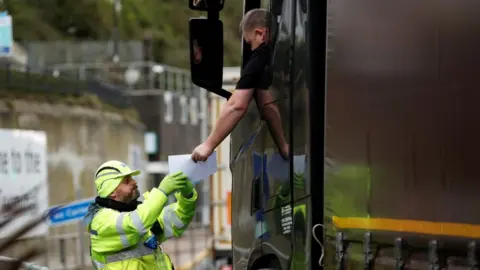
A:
[201,152]
[284,151]
[173,182]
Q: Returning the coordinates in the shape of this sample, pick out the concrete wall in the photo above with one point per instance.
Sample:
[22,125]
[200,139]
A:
[173,138]
[79,140]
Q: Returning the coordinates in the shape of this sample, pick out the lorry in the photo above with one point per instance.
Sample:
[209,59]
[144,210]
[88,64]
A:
[379,109]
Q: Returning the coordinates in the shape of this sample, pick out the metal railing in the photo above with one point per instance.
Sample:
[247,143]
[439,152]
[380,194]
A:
[140,76]
[16,78]
[12,263]
[192,250]
[8,263]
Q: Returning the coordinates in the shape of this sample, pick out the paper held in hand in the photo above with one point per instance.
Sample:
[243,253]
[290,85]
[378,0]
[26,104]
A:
[195,171]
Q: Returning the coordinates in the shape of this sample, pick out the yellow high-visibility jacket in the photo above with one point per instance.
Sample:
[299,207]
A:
[117,238]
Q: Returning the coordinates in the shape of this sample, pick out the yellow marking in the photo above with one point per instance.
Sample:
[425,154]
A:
[212,214]
[197,259]
[225,242]
[411,226]
[229,208]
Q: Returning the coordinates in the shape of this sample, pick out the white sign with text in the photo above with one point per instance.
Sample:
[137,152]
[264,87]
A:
[23,178]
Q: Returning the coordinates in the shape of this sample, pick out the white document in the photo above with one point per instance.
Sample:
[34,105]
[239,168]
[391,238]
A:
[195,171]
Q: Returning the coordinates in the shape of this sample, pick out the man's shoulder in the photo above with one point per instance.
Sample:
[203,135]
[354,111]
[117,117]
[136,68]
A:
[261,55]
[255,72]
[262,49]
[104,218]
[258,61]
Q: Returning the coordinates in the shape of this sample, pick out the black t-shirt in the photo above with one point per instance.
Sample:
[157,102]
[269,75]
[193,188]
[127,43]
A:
[256,73]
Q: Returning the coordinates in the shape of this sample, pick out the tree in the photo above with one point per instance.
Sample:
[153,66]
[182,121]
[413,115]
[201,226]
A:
[166,21]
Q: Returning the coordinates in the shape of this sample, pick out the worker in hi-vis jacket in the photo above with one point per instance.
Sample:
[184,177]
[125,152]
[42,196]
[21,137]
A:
[126,233]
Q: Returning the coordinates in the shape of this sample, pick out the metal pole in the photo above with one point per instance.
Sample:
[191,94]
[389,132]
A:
[81,245]
[192,243]
[203,114]
[203,137]
[80,227]
[177,250]
[117,8]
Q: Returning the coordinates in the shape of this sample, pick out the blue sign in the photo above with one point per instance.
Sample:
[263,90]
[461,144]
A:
[67,213]
[6,35]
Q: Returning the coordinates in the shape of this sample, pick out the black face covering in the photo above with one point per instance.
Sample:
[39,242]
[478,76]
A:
[126,207]
[117,205]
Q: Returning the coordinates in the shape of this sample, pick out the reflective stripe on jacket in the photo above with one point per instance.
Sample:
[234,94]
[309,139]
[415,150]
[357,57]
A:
[117,238]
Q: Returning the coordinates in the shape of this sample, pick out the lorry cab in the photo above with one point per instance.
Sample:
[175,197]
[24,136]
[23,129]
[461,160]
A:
[271,206]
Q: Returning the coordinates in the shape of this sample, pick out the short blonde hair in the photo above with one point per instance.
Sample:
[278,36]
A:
[257,18]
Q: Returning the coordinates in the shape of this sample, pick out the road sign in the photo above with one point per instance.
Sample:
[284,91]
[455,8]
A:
[24,172]
[6,36]
[64,214]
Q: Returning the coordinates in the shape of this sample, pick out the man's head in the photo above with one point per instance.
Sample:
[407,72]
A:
[257,26]
[113,179]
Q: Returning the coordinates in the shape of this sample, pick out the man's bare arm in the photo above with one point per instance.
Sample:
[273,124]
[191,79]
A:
[270,112]
[230,114]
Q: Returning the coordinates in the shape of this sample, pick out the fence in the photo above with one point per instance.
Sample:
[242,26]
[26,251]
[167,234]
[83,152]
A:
[8,263]
[190,251]
[60,252]
[135,75]
[17,78]
[49,53]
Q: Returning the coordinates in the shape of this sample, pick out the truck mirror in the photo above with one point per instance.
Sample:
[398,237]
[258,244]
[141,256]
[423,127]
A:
[204,5]
[206,54]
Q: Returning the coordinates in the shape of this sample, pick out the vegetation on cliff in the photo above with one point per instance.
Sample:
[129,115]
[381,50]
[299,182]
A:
[165,20]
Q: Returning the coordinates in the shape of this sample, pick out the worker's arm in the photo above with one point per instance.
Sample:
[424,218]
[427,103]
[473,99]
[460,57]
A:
[230,114]
[176,217]
[269,110]
[127,226]
[254,76]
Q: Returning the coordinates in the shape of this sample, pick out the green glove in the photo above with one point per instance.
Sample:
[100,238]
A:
[187,190]
[172,182]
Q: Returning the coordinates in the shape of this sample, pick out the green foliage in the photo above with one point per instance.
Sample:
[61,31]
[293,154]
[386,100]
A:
[165,20]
